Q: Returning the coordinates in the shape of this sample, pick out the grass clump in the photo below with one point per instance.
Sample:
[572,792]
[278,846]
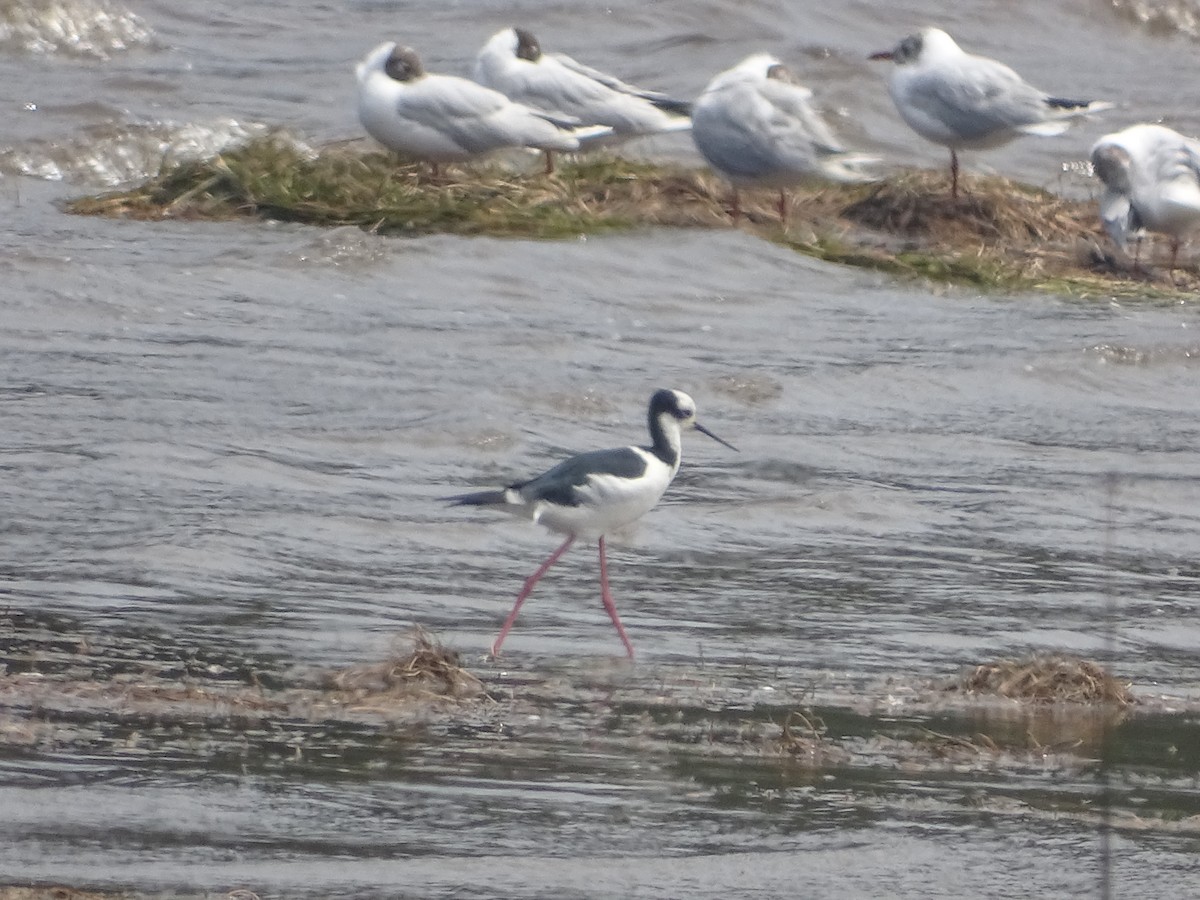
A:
[997,235]
[428,671]
[991,208]
[1046,679]
[276,178]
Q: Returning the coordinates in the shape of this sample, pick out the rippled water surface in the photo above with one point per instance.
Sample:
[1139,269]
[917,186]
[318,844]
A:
[224,445]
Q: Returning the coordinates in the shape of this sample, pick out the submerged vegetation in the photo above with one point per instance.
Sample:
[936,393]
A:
[997,234]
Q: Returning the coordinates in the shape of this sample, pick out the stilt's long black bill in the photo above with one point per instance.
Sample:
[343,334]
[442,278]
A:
[700,428]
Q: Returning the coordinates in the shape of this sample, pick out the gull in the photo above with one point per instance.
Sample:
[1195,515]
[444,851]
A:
[1151,178]
[594,493]
[443,118]
[968,102]
[755,125]
[512,62]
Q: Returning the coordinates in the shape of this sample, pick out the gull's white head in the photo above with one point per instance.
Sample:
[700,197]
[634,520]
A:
[514,42]
[927,45]
[398,63]
[753,68]
[757,64]
[1113,164]
[375,60]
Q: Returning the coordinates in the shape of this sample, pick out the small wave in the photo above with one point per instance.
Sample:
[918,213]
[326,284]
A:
[345,246]
[112,155]
[91,28]
[1143,356]
[1162,16]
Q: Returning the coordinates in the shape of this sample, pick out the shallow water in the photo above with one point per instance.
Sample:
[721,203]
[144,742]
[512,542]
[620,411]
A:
[224,445]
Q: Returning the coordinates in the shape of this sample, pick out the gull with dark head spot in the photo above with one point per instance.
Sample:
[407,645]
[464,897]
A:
[593,494]
[968,102]
[443,118]
[1151,177]
[513,63]
[755,125]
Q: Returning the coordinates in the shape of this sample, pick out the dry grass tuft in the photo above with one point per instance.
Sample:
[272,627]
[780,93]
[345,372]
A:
[426,672]
[988,209]
[1046,679]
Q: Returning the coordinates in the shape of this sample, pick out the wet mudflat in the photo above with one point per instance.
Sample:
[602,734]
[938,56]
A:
[646,760]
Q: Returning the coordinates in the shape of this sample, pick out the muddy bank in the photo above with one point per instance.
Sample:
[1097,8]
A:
[61,688]
[998,234]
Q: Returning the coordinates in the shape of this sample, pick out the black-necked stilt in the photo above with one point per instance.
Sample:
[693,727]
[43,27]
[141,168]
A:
[594,493]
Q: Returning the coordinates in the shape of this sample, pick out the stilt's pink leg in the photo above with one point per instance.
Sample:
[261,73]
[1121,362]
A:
[783,209]
[549,162]
[954,174]
[529,583]
[608,601]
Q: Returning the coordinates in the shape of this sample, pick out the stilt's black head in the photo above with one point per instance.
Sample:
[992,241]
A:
[677,406]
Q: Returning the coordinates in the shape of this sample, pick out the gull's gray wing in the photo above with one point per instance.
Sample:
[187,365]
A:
[1113,166]
[474,117]
[976,98]
[659,99]
[792,109]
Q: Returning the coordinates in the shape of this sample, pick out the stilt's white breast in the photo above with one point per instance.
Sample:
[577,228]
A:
[608,502]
